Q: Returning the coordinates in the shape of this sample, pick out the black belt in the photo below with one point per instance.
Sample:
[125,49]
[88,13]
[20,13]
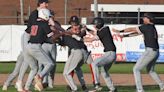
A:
[154,49]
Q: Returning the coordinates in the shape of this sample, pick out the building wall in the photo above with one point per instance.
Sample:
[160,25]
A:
[9,9]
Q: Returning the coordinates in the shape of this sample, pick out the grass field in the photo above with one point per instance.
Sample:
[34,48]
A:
[120,89]
[119,68]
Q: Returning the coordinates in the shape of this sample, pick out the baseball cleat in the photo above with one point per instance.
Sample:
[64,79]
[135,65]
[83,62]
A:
[50,84]
[115,90]
[74,91]
[98,88]
[38,83]
[19,86]
[68,87]
[15,86]
[84,88]
[162,90]
[4,88]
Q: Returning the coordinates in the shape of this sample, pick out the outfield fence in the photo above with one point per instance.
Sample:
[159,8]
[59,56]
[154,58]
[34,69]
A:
[128,49]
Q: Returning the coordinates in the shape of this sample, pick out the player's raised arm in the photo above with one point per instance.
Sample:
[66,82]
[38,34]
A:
[130,29]
[127,32]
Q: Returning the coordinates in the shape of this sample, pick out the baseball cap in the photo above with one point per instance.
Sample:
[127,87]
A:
[41,1]
[149,16]
[74,19]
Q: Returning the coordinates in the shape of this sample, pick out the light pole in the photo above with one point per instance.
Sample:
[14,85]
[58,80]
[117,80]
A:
[65,12]
[102,12]
[95,8]
[29,8]
[138,16]
[21,11]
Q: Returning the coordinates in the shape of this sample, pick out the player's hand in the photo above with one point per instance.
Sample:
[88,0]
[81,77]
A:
[119,35]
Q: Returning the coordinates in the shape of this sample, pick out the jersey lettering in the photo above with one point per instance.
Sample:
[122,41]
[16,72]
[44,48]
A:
[34,30]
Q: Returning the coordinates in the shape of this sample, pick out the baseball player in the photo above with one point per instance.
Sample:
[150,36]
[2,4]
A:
[104,62]
[50,49]
[75,25]
[75,59]
[149,57]
[24,42]
[26,36]
[34,51]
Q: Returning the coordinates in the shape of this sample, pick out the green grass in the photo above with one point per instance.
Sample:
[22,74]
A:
[116,68]
[105,89]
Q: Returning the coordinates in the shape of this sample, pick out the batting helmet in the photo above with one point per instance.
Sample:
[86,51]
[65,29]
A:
[150,16]
[44,14]
[41,1]
[74,19]
[99,22]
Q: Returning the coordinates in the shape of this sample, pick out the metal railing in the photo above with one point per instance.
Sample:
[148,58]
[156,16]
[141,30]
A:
[108,20]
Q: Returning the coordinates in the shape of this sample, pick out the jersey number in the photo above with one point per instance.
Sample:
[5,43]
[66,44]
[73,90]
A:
[34,30]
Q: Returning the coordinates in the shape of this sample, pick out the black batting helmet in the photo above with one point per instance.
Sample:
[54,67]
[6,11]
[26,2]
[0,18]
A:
[99,22]
[41,1]
[74,19]
[150,16]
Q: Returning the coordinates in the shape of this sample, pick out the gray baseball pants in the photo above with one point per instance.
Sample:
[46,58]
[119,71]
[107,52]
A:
[24,42]
[20,60]
[74,62]
[51,51]
[15,71]
[86,59]
[148,60]
[105,63]
[32,53]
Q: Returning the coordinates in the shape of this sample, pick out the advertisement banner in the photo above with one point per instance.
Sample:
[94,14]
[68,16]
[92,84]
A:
[5,43]
[128,49]
[135,45]
[17,31]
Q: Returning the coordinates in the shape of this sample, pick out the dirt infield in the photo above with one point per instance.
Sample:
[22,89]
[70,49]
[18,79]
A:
[118,79]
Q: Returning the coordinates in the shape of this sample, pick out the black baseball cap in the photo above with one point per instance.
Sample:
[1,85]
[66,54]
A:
[41,1]
[149,16]
[74,19]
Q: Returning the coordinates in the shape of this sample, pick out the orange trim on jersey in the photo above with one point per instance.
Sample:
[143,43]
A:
[93,79]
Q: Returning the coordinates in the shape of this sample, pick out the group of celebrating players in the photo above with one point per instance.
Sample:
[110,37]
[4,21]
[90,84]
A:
[39,52]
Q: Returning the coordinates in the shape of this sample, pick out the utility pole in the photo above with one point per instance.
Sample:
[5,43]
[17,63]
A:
[21,11]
